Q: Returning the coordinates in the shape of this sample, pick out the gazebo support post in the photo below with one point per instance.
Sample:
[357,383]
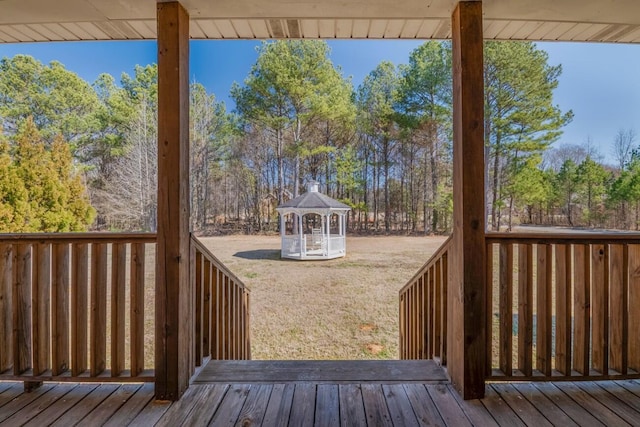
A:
[328,234]
[466,311]
[301,235]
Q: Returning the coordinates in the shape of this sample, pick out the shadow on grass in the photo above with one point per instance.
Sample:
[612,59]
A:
[269,254]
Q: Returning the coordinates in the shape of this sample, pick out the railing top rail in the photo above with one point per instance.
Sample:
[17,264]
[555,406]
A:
[441,250]
[584,238]
[219,265]
[102,237]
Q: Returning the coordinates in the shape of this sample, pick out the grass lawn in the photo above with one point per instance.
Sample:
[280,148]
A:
[345,308]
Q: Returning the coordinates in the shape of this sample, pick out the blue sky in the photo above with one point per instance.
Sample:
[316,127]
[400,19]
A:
[600,82]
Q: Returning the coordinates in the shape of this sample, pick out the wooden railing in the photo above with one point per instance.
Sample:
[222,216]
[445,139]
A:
[57,292]
[423,310]
[222,309]
[563,306]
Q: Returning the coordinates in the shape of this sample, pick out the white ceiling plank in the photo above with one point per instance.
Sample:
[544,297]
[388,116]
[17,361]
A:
[144,32]
[344,28]
[632,37]
[524,30]
[428,28]
[558,31]
[327,28]
[14,31]
[87,31]
[195,31]
[493,28]
[394,28]
[46,32]
[310,28]
[226,29]
[444,30]
[411,28]
[209,28]
[62,31]
[6,37]
[28,32]
[259,28]
[542,30]
[360,28]
[242,28]
[377,28]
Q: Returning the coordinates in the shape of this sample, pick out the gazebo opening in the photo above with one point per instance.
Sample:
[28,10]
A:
[313,226]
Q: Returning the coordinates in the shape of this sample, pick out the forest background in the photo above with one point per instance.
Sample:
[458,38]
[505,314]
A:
[76,155]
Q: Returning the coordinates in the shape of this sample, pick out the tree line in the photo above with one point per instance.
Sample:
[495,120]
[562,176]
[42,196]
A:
[383,147]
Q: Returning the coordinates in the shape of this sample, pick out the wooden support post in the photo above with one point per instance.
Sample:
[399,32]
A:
[466,312]
[174,296]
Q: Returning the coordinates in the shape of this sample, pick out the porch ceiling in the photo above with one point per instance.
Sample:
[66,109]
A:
[565,20]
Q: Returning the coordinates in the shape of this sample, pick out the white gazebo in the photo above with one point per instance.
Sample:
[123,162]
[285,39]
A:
[313,226]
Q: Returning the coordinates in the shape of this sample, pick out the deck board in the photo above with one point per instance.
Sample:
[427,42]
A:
[528,413]
[324,404]
[132,407]
[351,405]
[552,412]
[39,405]
[61,406]
[279,406]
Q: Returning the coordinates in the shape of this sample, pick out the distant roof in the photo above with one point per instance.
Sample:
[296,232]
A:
[313,200]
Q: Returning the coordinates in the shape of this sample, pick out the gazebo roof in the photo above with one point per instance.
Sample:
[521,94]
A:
[313,199]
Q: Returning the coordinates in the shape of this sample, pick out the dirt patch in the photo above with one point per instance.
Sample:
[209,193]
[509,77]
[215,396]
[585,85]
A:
[345,308]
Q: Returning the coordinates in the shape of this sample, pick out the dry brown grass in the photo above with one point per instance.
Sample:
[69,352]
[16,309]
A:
[345,308]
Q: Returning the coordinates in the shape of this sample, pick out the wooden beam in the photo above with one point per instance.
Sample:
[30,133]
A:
[174,314]
[467,311]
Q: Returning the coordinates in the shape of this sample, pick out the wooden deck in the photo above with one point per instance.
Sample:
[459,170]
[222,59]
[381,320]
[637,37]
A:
[325,398]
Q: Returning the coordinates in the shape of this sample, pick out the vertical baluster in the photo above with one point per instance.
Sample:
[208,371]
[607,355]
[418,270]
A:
[424,338]
[22,309]
[6,311]
[619,315]
[41,305]
[410,323]
[437,317]
[215,313]
[416,334]
[431,310]
[220,315]
[247,355]
[633,304]
[581,309]
[416,321]
[227,318]
[544,308]
[489,309]
[506,308]
[136,307]
[98,332]
[401,310]
[600,308]
[525,308]
[198,309]
[118,289]
[237,311]
[206,309]
[564,267]
[443,308]
[79,308]
[60,328]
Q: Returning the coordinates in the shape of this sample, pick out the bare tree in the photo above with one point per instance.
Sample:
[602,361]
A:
[623,147]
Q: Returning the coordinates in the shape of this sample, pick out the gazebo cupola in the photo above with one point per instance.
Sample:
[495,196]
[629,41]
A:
[313,226]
